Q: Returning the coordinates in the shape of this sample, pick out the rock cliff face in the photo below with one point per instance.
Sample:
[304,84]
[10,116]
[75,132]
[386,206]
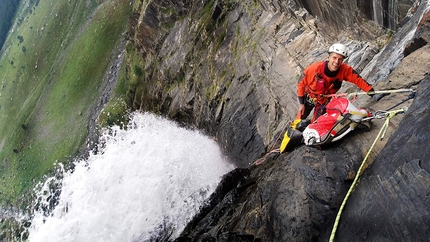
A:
[391,202]
[350,14]
[231,68]
[295,197]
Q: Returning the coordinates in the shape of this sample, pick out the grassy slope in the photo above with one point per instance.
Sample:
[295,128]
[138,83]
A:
[50,74]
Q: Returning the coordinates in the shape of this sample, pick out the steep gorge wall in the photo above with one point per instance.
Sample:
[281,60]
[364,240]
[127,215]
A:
[347,15]
[230,68]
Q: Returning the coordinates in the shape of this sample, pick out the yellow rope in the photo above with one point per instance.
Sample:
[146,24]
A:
[381,91]
[352,94]
[381,134]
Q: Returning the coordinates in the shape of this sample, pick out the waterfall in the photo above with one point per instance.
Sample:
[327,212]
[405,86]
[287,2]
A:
[378,12]
[146,181]
[393,14]
[386,13]
[379,68]
[387,59]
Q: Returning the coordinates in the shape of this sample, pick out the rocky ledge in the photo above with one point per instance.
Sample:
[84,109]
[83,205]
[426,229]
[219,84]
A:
[296,196]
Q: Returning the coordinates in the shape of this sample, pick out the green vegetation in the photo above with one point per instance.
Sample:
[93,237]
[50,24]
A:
[207,10]
[211,91]
[115,113]
[129,83]
[389,33]
[50,72]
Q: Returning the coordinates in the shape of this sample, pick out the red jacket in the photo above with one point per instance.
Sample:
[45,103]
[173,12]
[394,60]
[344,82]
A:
[328,85]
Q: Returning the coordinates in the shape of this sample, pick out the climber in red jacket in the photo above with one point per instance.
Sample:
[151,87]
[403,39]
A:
[326,78]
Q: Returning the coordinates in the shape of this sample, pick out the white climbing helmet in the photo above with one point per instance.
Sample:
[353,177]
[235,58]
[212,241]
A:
[339,49]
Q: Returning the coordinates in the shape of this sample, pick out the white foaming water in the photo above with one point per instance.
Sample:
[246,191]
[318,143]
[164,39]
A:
[147,179]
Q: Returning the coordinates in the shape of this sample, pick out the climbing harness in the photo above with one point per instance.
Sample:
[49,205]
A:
[379,114]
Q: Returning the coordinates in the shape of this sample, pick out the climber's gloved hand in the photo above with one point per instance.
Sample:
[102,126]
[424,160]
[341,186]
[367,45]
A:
[378,96]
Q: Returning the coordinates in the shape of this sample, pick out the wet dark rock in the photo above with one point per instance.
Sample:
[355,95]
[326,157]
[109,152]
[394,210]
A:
[392,200]
[232,69]
[295,197]
[391,55]
[291,198]
[339,17]
[421,36]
